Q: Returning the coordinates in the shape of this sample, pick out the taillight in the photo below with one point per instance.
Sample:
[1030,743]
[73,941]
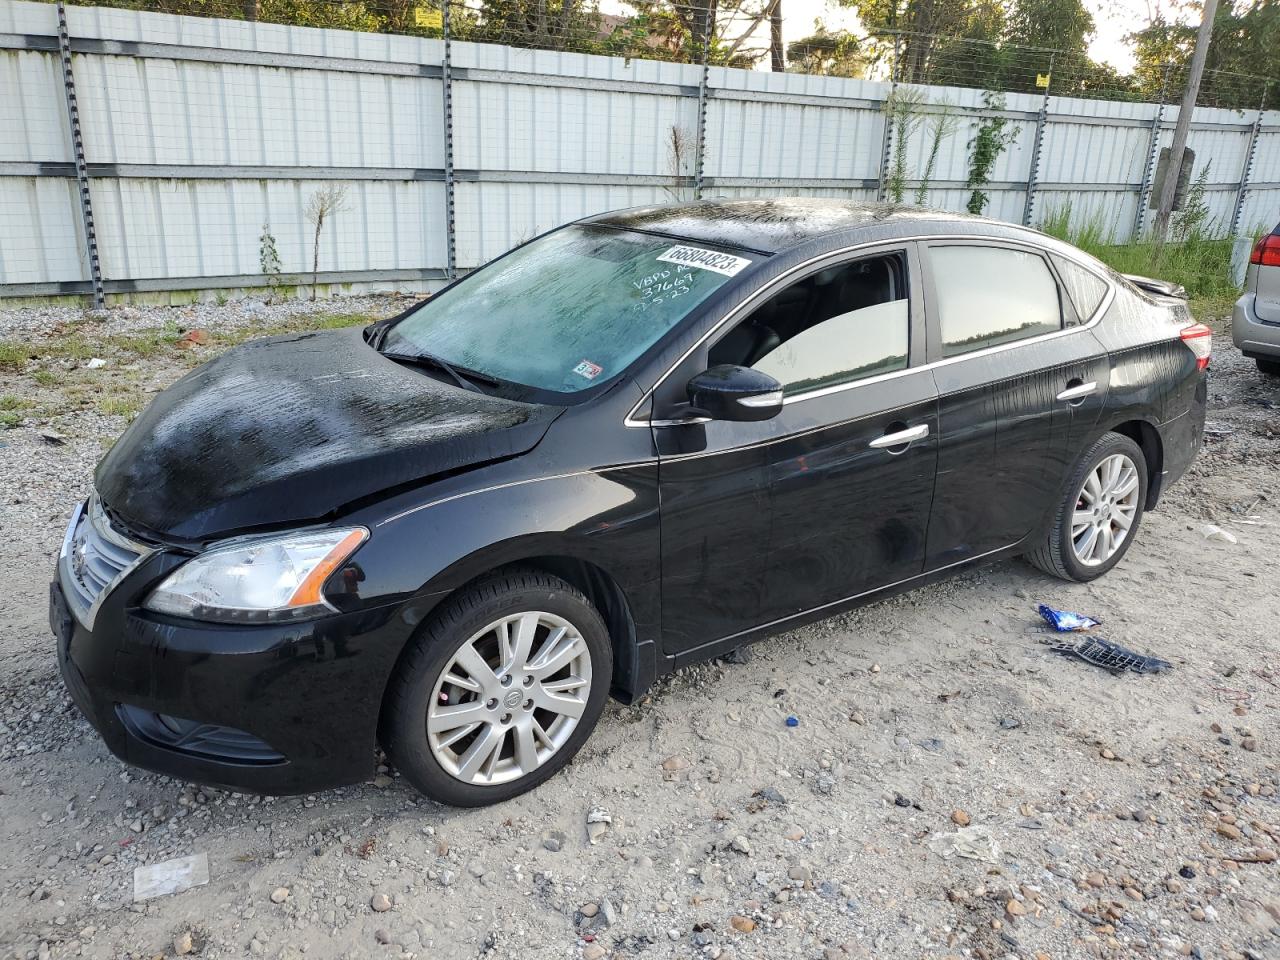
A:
[1266,252]
[1200,339]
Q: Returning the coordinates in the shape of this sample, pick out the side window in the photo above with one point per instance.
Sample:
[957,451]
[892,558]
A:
[1085,288]
[838,325]
[992,295]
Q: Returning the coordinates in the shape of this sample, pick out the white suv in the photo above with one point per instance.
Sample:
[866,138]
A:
[1255,322]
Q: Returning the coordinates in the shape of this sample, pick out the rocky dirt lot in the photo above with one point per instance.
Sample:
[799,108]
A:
[1118,816]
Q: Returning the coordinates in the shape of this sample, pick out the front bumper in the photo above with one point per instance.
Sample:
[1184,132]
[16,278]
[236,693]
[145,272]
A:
[1255,338]
[271,709]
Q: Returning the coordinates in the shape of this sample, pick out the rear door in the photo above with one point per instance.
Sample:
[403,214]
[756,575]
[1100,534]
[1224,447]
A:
[1013,365]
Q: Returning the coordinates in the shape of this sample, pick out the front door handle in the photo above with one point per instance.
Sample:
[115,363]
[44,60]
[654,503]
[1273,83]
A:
[901,438]
[1078,392]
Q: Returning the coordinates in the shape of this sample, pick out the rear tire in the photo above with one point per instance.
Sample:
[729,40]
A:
[499,690]
[1270,367]
[1098,517]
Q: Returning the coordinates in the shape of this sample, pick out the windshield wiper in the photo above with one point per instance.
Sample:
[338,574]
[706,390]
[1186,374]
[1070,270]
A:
[429,360]
[379,334]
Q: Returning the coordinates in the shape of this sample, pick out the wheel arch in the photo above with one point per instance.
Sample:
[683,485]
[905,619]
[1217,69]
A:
[632,674]
[1147,437]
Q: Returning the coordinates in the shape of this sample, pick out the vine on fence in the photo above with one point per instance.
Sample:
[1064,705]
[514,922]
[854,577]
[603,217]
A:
[990,140]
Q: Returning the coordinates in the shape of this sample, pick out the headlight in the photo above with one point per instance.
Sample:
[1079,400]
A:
[272,579]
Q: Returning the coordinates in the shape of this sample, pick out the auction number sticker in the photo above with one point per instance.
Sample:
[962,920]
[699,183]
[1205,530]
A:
[588,369]
[723,263]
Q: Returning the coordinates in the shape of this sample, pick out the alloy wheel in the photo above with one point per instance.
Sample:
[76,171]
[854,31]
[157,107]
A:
[1106,508]
[509,698]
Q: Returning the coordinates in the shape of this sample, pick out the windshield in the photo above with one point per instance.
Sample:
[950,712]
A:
[567,311]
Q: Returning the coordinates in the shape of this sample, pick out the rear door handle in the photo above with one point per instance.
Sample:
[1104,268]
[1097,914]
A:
[901,438]
[1078,392]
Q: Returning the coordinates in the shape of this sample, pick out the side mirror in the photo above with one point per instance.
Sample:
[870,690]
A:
[726,392]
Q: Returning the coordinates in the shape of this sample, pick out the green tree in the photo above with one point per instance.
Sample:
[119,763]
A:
[838,54]
[1246,42]
[1063,25]
[974,43]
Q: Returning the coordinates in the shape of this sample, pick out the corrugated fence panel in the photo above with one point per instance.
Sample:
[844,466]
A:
[31,101]
[40,239]
[208,153]
[770,137]
[494,217]
[622,128]
[151,229]
[39,217]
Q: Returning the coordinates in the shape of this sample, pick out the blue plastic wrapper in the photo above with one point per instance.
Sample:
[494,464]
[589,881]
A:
[1064,621]
[793,721]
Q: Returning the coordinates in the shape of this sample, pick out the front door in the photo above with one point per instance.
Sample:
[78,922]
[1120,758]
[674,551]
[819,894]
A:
[713,483]
[851,504]
[828,500]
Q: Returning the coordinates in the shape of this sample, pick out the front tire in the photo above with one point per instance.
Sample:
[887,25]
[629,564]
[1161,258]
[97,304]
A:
[1270,367]
[499,691]
[1098,517]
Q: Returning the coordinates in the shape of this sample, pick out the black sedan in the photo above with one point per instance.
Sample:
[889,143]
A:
[633,443]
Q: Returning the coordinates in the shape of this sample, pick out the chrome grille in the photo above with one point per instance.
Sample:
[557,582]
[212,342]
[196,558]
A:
[94,556]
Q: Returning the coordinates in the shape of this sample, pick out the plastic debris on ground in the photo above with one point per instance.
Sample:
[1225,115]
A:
[1064,621]
[1212,531]
[1111,656]
[971,843]
[793,721]
[170,876]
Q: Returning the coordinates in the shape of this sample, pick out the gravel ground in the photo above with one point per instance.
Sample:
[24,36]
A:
[41,322]
[1119,816]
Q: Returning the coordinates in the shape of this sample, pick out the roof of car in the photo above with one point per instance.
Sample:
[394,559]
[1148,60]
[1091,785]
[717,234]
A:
[776,224]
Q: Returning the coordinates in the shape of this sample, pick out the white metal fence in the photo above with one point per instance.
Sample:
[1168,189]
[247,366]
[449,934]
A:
[198,134]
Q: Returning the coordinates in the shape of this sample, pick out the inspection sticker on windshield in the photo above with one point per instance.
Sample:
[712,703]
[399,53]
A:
[725,263]
[588,369]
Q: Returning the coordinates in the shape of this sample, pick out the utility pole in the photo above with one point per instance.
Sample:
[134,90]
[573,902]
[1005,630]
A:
[776,55]
[1173,169]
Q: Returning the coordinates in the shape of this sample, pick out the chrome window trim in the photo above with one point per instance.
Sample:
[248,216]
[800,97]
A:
[631,421]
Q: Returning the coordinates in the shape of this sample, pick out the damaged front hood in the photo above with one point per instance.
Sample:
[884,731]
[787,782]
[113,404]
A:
[289,429]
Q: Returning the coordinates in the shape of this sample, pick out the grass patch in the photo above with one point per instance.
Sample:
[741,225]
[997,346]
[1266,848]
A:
[9,401]
[1199,262]
[46,378]
[13,356]
[303,324]
[121,405]
[144,343]
[10,419]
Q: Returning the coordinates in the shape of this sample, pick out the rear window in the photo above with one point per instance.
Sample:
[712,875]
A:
[992,295]
[1085,288]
